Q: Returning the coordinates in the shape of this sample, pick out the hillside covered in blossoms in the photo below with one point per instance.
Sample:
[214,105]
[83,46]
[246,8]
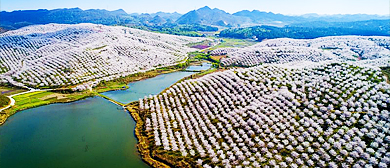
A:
[56,55]
[328,115]
[281,103]
[284,50]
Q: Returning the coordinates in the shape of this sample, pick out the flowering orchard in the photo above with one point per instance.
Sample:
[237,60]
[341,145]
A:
[284,50]
[56,55]
[333,115]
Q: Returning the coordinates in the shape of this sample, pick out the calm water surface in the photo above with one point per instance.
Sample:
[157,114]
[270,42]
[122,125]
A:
[88,133]
[146,87]
[204,66]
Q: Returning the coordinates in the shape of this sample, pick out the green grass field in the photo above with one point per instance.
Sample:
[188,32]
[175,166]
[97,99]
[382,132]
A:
[39,98]
[228,42]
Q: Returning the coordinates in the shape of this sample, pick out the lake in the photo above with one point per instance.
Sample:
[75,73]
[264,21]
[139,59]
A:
[146,87]
[88,133]
[202,67]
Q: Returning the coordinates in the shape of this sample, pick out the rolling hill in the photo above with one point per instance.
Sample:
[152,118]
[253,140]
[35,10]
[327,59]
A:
[55,55]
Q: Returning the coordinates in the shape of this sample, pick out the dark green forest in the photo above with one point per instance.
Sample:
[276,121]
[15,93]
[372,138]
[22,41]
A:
[176,29]
[310,30]
[3,100]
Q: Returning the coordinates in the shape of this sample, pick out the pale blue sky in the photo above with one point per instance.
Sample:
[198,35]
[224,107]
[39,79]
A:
[294,7]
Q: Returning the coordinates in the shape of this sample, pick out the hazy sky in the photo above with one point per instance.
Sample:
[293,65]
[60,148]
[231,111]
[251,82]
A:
[293,7]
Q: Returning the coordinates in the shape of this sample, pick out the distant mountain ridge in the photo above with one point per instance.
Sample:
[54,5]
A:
[21,18]
[217,17]
[172,16]
[210,16]
[201,16]
[17,19]
[258,17]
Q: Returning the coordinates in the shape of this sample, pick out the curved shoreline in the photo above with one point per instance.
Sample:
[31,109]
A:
[44,104]
[9,111]
[142,145]
[116,84]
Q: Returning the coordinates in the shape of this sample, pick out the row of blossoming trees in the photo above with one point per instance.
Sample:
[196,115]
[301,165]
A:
[57,55]
[339,48]
[333,115]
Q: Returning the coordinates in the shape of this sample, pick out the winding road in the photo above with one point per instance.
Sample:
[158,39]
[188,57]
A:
[13,100]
